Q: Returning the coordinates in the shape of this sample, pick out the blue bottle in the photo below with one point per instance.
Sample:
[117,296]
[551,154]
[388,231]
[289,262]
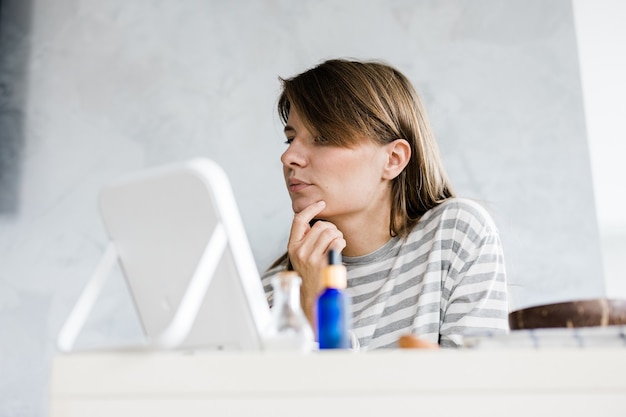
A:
[334,313]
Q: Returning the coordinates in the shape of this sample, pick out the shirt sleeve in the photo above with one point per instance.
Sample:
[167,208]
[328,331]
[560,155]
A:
[474,296]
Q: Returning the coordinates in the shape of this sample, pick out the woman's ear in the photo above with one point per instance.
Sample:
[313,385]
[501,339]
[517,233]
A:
[398,156]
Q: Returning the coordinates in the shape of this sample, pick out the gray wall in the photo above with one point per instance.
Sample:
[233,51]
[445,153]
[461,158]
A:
[92,90]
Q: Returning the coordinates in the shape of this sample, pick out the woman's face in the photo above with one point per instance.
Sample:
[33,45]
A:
[349,180]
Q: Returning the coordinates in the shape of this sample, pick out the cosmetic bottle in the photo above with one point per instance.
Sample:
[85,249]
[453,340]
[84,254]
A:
[334,312]
[289,328]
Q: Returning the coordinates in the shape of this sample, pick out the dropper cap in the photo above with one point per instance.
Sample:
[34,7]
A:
[334,275]
[334,257]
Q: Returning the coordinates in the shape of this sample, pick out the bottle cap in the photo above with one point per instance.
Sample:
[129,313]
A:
[334,257]
[334,275]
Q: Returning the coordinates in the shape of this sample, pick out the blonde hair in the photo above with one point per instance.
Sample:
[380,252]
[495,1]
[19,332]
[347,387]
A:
[341,101]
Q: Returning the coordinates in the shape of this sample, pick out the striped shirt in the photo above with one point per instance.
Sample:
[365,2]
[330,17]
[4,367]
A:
[446,279]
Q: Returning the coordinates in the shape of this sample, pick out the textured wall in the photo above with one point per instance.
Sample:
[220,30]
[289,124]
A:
[92,90]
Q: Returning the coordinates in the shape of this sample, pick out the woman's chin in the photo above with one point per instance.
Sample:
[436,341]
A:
[297,208]
[300,204]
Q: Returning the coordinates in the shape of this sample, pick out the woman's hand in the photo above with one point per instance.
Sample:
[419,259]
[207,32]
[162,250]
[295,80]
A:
[308,247]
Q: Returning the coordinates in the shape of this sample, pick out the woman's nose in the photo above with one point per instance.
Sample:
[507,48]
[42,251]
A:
[293,156]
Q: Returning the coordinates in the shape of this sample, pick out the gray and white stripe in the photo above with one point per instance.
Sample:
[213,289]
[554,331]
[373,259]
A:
[445,280]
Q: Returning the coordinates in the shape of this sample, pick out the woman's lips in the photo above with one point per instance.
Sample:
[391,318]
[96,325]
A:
[296,185]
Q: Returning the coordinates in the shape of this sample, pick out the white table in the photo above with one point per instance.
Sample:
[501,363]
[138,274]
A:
[507,382]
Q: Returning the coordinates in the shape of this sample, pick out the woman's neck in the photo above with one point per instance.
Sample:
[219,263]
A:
[363,235]
[364,245]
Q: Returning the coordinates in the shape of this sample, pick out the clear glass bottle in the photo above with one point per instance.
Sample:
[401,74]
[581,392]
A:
[289,328]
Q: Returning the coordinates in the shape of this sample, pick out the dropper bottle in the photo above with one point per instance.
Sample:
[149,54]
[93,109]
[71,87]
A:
[333,306]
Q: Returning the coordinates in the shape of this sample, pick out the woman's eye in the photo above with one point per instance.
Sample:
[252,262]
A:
[288,141]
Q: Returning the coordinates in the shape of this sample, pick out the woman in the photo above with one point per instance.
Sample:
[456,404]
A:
[361,157]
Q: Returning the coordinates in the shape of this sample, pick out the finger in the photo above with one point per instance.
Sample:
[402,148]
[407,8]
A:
[300,225]
[338,244]
[322,237]
[327,236]
[324,234]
